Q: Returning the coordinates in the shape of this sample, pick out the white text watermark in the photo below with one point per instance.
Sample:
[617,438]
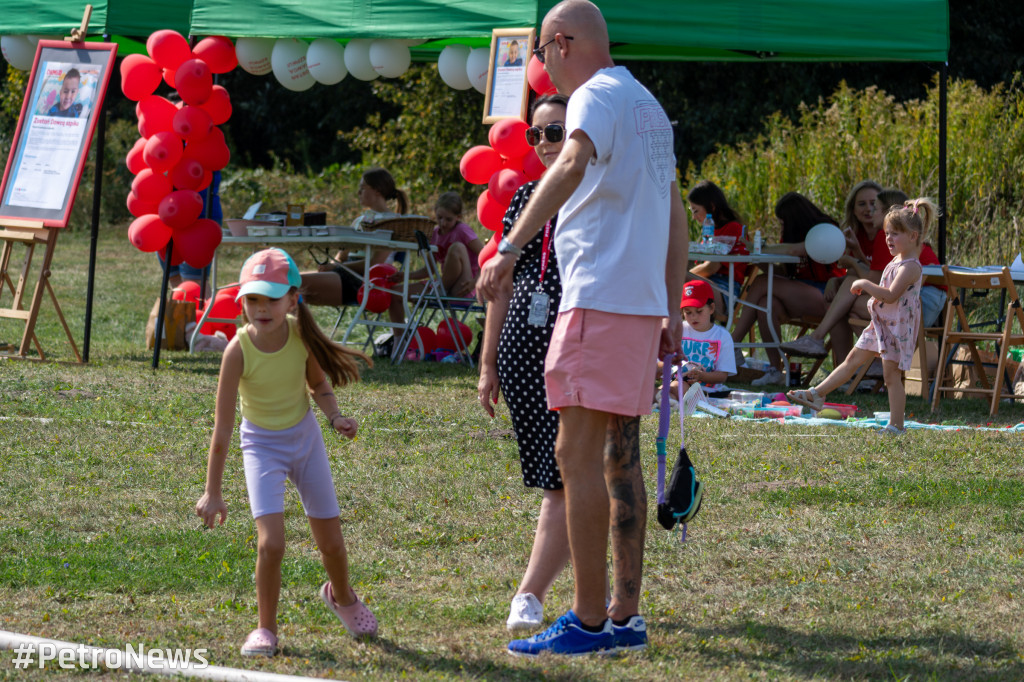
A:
[79,656]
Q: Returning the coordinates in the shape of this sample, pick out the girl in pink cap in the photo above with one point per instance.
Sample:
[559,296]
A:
[274,364]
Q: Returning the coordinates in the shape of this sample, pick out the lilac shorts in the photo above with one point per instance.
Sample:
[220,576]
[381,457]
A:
[297,453]
[603,361]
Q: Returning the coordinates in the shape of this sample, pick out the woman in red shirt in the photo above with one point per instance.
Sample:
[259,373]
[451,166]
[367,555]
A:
[706,198]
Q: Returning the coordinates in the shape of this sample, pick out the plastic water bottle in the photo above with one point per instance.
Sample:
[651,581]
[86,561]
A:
[757,243]
[707,231]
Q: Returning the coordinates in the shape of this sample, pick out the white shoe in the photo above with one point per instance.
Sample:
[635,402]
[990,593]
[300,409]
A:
[527,613]
[772,376]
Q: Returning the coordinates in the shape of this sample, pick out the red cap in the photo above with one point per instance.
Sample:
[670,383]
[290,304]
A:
[696,294]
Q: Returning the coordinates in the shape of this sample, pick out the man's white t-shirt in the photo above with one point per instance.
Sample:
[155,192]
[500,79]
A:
[612,234]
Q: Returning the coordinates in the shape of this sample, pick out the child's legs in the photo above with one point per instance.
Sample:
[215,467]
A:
[550,551]
[456,272]
[327,533]
[269,554]
[897,394]
[844,372]
[396,311]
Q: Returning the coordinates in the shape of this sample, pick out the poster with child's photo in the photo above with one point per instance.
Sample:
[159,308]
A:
[67,90]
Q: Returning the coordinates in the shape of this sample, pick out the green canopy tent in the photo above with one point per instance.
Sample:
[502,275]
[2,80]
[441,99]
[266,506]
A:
[678,30]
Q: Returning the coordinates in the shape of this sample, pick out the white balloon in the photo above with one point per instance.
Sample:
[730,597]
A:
[326,61]
[357,59]
[18,51]
[825,243]
[254,55]
[451,66]
[476,67]
[289,63]
[390,58]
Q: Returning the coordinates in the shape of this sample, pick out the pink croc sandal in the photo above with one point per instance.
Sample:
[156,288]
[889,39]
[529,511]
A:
[357,619]
[260,642]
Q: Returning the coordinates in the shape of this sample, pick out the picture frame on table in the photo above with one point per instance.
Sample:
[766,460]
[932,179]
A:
[66,88]
[508,89]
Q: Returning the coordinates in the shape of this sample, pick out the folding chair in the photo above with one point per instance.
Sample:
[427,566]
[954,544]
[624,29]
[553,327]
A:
[432,300]
[966,333]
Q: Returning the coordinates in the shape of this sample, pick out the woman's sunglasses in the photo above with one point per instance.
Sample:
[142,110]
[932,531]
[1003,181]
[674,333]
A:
[553,133]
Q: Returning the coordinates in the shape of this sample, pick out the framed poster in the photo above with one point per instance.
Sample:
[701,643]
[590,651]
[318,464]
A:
[58,117]
[508,89]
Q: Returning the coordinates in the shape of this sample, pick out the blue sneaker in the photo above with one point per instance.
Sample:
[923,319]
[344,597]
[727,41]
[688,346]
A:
[566,637]
[632,636]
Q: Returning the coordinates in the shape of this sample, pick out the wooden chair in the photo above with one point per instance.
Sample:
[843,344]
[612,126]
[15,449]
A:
[966,333]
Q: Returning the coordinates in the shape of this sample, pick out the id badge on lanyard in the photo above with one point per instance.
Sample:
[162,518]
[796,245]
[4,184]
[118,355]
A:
[540,302]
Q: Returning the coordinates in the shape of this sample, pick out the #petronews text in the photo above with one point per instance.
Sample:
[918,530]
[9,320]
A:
[85,657]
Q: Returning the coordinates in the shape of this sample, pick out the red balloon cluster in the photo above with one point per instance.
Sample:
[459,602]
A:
[444,334]
[180,145]
[224,306]
[506,164]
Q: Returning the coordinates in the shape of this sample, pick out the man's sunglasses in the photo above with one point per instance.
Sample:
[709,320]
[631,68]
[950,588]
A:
[538,52]
[553,133]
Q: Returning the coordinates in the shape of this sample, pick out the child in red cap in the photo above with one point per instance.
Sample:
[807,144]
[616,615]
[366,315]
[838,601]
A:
[274,364]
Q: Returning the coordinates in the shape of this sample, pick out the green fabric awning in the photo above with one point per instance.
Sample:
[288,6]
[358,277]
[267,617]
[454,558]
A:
[684,30]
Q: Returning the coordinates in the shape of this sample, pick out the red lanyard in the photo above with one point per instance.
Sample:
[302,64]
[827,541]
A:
[545,250]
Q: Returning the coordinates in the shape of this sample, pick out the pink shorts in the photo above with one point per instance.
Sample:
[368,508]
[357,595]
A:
[603,361]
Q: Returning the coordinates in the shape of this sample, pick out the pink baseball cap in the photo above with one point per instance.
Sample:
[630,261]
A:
[270,272]
[696,294]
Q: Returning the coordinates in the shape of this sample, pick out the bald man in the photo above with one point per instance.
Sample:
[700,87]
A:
[621,243]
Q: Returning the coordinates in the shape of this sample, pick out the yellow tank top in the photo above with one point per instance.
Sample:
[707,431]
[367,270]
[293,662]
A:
[273,385]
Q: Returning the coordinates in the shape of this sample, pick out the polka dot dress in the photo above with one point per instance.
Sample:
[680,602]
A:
[521,350]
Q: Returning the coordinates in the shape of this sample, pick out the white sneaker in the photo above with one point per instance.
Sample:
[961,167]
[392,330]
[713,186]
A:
[772,376]
[527,613]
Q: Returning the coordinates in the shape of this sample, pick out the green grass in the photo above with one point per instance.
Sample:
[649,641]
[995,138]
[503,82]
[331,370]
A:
[820,552]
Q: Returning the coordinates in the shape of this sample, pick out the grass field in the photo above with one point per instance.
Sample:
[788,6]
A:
[820,553]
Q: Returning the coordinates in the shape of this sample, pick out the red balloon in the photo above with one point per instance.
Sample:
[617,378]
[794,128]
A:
[188,290]
[231,291]
[533,167]
[148,233]
[158,114]
[516,163]
[137,207]
[478,164]
[207,179]
[218,106]
[382,271]
[490,211]
[162,151]
[218,52]
[504,184]
[379,299]
[191,124]
[490,248]
[151,186]
[444,334]
[134,158]
[223,307]
[194,81]
[538,78]
[187,174]
[425,340]
[212,151]
[168,48]
[180,209]
[508,137]
[139,76]
[175,255]
[198,242]
[169,78]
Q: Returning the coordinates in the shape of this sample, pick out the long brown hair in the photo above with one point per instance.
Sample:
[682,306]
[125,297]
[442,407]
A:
[382,181]
[339,362]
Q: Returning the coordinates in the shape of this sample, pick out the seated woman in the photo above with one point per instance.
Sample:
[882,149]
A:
[865,258]
[336,283]
[845,305]
[799,290]
[707,199]
[458,249]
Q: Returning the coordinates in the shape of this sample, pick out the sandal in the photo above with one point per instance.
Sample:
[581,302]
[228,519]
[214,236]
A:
[808,398]
[260,642]
[358,620]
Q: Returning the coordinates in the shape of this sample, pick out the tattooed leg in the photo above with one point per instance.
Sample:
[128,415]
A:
[578,450]
[628,512]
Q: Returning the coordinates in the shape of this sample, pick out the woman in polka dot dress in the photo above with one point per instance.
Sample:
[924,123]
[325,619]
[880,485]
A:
[512,363]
